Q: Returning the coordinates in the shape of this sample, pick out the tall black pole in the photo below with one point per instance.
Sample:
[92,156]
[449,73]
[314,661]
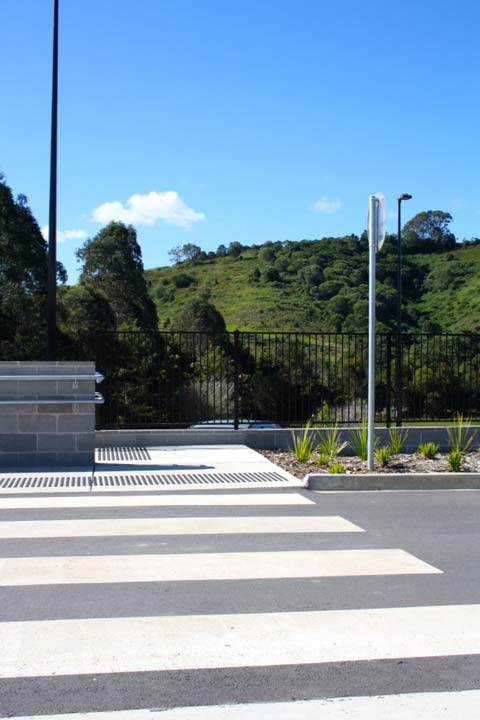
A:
[398,348]
[52,221]
[398,354]
[399,267]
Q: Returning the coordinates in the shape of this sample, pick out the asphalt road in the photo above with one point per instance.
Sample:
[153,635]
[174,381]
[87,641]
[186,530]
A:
[355,622]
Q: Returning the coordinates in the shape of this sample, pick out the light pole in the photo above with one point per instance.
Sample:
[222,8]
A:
[52,219]
[398,361]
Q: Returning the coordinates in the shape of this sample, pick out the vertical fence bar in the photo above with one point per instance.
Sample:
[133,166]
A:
[236,383]
[388,379]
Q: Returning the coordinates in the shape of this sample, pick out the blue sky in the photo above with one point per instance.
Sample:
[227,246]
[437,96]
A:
[213,121]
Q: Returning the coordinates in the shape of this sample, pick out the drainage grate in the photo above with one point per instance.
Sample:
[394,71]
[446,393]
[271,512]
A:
[120,454]
[54,481]
[150,480]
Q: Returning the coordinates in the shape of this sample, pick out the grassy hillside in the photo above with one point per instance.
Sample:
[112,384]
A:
[323,285]
[451,296]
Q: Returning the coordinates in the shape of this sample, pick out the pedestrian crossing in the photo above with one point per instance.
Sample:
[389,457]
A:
[175,599]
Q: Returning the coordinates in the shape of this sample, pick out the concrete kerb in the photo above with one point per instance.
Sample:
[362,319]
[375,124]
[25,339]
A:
[393,481]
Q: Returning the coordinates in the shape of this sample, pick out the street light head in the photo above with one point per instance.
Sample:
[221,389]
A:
[405,196]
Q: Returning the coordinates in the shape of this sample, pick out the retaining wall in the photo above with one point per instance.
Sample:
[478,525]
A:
[47,414]
[278,439]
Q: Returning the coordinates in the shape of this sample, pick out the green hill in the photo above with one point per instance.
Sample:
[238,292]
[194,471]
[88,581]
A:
[322,285]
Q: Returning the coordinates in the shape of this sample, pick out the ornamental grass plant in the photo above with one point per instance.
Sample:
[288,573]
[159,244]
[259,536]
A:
[305,446]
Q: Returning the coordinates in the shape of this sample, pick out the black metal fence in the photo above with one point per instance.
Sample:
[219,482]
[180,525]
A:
[177,379]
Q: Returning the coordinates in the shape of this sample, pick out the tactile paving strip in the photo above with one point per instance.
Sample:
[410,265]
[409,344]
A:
[67,481]
[119,454]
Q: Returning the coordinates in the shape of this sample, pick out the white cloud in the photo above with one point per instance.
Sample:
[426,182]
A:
[147,209]
[63,235]
[327,206]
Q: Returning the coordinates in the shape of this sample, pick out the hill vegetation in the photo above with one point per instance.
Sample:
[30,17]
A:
[322,285]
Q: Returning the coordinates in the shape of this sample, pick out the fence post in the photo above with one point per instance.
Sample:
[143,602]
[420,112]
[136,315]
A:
[388,381]
[398,380]
[236,404]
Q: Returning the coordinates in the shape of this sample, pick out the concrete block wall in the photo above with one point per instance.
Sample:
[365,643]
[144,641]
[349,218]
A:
[46,419]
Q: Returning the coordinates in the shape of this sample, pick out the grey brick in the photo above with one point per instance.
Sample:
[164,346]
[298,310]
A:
[18,409]
[8,460]
[37,423]
[8,423]
[75,387]
[10,442]
[75,459]
[41,388]
[37,459]
[86,441]
[57,408]
[54,441]
[85,409]
[78,422]
[85,367]
[54,369]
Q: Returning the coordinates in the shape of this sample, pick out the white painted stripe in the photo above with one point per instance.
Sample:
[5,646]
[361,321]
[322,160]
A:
[147,488]
[93,500]
[175,526]
[208,566]
[137,644]
[412,706]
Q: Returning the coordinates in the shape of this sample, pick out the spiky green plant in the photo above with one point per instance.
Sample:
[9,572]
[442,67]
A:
[428,450]
[455,460]
[330,443]
[304,446]
[459,436]
[322,460]
[397,439]
[359,441]
[337,468]
[383,455]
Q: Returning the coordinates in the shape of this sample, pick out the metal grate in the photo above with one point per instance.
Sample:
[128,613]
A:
[54,481]
[120,454]
[149,480]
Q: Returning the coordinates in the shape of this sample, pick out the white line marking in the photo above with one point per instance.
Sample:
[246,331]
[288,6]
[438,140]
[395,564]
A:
[208,566]
[147,488]
[412,706]
[94,500]
[175,526]
[138,644]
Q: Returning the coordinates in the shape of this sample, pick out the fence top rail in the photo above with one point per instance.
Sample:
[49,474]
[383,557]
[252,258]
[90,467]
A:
[299,333]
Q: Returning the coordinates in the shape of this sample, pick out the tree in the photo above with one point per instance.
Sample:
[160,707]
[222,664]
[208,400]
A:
[113,266]
[189,252]
[428,232]
[235,249]
[23,279]
[267,254]
[84,316]
[176,255]
[201,316]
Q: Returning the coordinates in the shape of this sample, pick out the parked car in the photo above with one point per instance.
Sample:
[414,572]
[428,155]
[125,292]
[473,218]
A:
[230,425]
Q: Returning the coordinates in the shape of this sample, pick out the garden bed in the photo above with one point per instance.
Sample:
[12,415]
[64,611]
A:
[402,464]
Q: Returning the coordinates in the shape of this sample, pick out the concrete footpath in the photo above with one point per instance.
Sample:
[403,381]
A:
[150,468]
